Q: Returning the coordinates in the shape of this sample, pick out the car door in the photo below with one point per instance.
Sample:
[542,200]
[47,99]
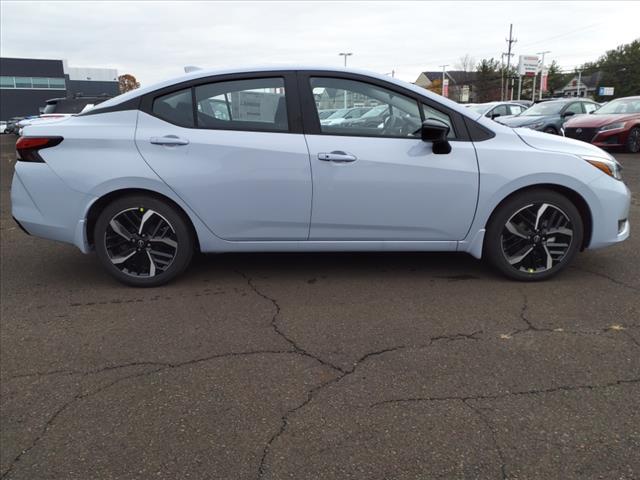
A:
[381,181]
[232,148]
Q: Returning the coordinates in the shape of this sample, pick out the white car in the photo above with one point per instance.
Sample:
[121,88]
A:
[3,126]
[147,178]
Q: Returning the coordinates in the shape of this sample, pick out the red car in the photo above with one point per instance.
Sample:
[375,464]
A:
[616,124]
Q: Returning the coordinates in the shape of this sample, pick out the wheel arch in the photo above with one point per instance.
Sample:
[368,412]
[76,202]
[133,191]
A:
[575,197]
[99,205]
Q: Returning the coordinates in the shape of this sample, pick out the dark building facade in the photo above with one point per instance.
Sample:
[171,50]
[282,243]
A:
[27,83]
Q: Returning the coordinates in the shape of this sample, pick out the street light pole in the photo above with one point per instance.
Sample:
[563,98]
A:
[542,69]
[345,55]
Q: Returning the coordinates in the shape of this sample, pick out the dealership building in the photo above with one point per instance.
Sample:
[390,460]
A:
[27,83]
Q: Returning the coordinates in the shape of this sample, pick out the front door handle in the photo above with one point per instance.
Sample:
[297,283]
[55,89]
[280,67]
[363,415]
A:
[170,140]
[337,156]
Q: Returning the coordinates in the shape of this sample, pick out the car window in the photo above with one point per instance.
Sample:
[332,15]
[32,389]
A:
[430,112]
[575,107]
[175,107]
[399,115]
[515,109]
[590,107]
[254,104]
[500,110]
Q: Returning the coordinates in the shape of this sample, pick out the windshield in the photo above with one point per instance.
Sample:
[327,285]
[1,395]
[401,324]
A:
[339,113]
[623,105]
[545,108]
[49,108]
[374,112]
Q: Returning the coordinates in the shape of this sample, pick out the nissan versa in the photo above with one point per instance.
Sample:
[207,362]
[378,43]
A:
[238,160]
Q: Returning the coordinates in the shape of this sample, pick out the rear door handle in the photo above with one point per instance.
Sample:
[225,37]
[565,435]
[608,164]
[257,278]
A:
[337,156]
[169,140]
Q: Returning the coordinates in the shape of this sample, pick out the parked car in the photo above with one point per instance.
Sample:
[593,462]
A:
[525,103]
[3,126]
[344,114]
[616,124]
[146,178]
[60,108]
[494,110]
[370,119]
[549,116]
[322,114]
[12,125]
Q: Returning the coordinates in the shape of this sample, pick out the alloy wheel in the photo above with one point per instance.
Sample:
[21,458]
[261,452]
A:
[140,242]
[634,140]
[536,238]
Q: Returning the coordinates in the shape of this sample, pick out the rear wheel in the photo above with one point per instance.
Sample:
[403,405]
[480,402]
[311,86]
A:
[143,241]
[534,235]
[551,130]
[633,140]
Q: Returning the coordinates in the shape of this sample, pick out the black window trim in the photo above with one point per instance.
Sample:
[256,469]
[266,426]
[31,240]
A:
[311,120]
[291,99]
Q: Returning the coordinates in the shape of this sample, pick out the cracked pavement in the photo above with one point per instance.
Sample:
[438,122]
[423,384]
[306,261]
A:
[327,366]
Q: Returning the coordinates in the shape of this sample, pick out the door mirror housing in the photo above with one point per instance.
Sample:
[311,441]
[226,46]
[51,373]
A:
[568,114]
[494,115]
[436,131]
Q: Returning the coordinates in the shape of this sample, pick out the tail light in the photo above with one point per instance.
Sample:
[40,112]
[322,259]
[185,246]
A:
[28,147]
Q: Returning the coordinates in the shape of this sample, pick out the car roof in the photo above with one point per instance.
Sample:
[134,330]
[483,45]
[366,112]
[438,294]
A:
[204,73]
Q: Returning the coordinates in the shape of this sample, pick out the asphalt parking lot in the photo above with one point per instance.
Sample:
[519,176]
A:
[327,366]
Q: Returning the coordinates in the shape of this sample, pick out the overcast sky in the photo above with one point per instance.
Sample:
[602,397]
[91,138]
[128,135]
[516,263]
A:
[154,40]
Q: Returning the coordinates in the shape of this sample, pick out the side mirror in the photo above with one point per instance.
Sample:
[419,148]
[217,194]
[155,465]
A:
[494,115]
[436,131]
[568,114]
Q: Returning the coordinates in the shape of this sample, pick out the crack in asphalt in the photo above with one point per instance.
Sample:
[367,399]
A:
[605,276]
[262,468]
[542,391]
[494,436]
[276,328]
[80,396]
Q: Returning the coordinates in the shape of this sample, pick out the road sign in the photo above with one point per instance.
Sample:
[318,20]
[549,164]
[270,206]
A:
[605,91]
[528,65]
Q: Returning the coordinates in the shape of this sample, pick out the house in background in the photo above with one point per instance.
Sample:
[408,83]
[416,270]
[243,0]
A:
[588,85]
[461,84]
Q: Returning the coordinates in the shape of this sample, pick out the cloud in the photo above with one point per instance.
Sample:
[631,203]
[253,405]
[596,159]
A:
[154,40]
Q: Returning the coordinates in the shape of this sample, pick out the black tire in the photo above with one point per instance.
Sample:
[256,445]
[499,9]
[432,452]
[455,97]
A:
[171,231]
[633,141]
[503,246]
[551,130]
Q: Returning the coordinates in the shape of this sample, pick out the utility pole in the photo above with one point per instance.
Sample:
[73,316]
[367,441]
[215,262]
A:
[510,41]
[502,77]
[542,69]
[443,74]
[579,80]
[345,55]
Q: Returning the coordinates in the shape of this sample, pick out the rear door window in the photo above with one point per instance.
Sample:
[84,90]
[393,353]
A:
[176,108]
[257,104]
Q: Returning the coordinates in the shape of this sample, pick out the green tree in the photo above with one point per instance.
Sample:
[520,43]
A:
[487,80]
[556,79]
[620,69]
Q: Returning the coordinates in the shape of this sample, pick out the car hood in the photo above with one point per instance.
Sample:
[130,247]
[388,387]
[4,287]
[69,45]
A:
[594,120]
[521,120]
[558,143]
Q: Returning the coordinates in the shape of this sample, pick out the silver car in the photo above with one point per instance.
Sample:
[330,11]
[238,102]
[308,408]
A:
[149,177]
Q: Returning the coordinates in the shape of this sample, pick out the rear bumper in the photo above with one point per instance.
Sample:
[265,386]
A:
[44,206]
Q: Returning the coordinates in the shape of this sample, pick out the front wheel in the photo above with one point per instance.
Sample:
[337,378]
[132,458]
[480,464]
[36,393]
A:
[551,130]
[143,241]
[633,141]
[533,235]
